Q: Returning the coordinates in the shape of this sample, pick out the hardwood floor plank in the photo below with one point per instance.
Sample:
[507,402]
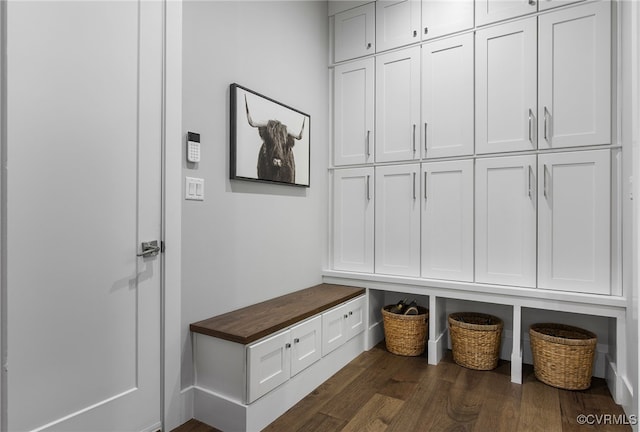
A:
[540,407]
[402,384]
[319,423]
[375,415]
[602,412]
[297,416]
[501,407]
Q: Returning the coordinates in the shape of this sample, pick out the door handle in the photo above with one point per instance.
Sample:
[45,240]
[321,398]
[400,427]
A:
[149,249]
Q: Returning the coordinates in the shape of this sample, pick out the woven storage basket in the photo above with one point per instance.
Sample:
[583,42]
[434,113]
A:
[562,355]
[475,339]
[405,334]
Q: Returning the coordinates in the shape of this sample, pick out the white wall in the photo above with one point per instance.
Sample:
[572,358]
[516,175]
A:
[249,242]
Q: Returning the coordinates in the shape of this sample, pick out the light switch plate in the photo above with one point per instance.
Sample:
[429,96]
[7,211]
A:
[194,189]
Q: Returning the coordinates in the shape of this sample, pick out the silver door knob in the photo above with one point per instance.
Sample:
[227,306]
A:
[149,249]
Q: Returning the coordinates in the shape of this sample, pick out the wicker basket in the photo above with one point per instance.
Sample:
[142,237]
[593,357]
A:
[405,334]
[562,355]
[475,339]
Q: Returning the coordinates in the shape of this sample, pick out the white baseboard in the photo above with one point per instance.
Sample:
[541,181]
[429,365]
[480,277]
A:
[620,388]
[436,348]
[375,335]
[230,415]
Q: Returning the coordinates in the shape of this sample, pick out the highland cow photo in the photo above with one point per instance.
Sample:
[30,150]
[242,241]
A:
[269,140]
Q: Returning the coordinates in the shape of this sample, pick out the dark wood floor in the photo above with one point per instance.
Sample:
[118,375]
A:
[379,391]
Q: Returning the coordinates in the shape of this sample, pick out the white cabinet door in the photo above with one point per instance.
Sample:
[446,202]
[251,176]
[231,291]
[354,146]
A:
[575,76]
[334,329]
[397,23]
[397,226]
[441,17]
[354,138]
[488,11]
[353,216]
[306,344]
[548,4]
[355,316]
[447,220]
[268,364]
[398,105]
[574,221]
[354,33]
[506,221]
[447,97]
[506,93]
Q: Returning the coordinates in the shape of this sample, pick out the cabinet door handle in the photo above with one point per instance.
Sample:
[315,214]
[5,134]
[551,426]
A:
[346,316]
[368,143]
[530,123]
[544,175]
[529,181]
[414,138]
[369,45]
[350,313]
[296,340]
[425,138]
[532,2]
[425,186]
[547,120]
[288,345]
[414,186]
[415,33]
[368,187]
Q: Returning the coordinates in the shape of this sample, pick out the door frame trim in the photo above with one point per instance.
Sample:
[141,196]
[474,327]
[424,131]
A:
[172,413]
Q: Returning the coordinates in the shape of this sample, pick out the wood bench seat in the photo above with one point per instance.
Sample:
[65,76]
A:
[254,322]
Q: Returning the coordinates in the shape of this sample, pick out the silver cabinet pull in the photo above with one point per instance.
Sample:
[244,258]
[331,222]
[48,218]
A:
[414,186]
[296,340]
[149,249]
[530,123]
[425,185]
[425,138]
[529,181]
[415,33]
[368,187]
[287,345]
[546,121]
[532,2]
[426,30]
[369,45]
[544,175]
[414,138]
[368,143]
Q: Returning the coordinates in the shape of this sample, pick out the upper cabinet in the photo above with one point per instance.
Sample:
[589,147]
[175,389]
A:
[398,105]
[575,76]
[447,97]
[354,138]
[397,23]
[354,33]
[506,90]
[488,11]
[442,17]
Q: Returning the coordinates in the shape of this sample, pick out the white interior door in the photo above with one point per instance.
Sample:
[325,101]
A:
[84,84]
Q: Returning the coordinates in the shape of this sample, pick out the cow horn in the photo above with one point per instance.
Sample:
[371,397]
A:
[249,119]
[301,130]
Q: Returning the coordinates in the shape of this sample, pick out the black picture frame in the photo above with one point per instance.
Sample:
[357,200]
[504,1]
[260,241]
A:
[269,141]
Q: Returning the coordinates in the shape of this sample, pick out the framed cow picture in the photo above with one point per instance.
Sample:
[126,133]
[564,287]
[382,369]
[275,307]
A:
[269,140]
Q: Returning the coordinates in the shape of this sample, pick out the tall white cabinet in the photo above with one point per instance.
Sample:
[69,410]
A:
[354,134]
[574,237]
[575,76]
[506,91]
[447,220]
[353,216]
[447,97]
[397,228]
[505,248]
[398,105]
